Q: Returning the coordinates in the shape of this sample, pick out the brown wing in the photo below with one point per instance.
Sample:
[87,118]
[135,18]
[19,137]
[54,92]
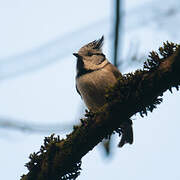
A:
[126,129]
[114,69]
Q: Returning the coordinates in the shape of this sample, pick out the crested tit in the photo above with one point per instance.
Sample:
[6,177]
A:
[94,75]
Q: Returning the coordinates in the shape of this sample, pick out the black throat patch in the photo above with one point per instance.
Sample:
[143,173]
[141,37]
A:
[84,71]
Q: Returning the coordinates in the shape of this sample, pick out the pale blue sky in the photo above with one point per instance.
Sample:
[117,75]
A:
[48,95]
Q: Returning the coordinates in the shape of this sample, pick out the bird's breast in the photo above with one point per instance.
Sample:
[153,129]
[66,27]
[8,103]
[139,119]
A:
[92,87]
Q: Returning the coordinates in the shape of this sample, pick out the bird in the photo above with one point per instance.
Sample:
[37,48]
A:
[94,74]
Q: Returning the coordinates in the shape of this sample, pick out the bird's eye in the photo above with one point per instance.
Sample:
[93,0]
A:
[89,54]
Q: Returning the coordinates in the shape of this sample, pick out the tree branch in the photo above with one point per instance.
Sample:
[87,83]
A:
[134,92]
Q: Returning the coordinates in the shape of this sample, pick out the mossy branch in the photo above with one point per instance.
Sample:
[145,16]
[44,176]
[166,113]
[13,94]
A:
[135,92]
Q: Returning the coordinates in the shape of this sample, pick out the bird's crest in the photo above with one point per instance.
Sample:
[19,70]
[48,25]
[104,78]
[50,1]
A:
[97,45]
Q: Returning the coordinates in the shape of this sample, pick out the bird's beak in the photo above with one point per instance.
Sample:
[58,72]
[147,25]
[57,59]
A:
[76,55]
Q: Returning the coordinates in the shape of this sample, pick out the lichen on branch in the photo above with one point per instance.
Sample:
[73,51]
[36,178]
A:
[137,92]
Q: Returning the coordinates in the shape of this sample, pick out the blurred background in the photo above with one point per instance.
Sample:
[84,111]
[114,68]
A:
[37,81]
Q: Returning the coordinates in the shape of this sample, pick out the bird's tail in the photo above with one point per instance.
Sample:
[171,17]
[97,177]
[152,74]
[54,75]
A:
[126,133]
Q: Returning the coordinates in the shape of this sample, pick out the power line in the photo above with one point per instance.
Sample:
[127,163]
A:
[8,123]
[63,46]
[57,49]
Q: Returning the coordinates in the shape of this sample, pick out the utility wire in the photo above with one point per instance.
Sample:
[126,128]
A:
[117,31]
[57,49]
[61,47]
[8,123]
